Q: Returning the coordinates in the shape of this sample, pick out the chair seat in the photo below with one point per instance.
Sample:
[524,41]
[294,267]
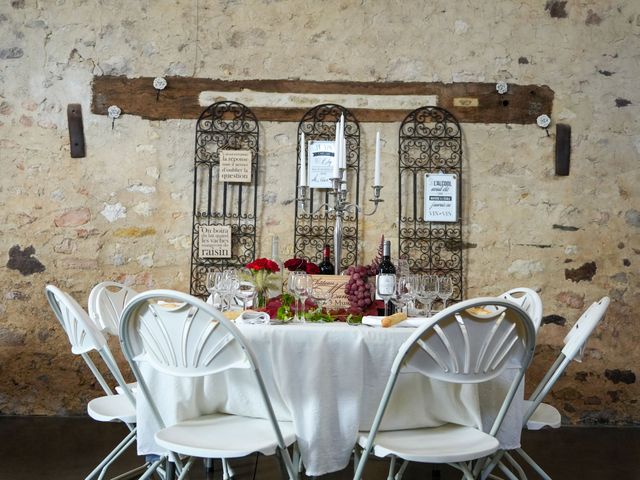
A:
[112,407]
[445,444]
[224,436]
[544,416]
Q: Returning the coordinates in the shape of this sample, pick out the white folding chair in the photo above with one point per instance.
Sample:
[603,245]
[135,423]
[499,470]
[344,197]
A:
[85,338]
[529,301]
[539,415]
[106,302]
[470,342]
[177,334]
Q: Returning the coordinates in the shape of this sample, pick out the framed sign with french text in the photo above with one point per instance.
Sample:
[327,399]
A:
[440,197]
[235,166]
[214,241]
[321,156]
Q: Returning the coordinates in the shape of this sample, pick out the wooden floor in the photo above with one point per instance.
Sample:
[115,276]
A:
[68,448]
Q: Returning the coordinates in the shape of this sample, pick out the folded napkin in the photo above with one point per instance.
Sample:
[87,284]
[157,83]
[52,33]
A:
[412,322]
[250,317]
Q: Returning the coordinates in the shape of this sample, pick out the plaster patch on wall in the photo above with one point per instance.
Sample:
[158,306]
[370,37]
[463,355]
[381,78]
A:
[524,268]
[146,260]
[140,188]
[113,212]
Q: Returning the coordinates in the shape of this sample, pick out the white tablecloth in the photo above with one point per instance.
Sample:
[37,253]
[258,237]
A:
[328,379]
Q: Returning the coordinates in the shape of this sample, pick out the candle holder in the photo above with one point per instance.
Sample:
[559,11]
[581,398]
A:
[339,192]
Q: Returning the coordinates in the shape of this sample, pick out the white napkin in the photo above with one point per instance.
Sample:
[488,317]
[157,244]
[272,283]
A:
[253,318]
[411,322]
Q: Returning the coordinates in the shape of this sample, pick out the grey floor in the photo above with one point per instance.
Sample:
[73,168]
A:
[62,448]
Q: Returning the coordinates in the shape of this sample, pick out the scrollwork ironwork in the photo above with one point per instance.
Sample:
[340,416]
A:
[223,126]
[313,231]
[430,141]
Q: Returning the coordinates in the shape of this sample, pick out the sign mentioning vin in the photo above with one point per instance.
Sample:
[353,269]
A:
[440,197]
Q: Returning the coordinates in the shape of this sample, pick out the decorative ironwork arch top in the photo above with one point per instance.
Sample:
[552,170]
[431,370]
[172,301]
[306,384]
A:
[312,231]
[223,126]
[430,141]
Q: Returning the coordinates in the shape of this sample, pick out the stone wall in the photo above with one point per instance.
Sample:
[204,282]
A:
[123,212]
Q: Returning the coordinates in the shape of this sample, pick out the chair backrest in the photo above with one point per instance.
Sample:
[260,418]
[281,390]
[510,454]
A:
[469,342]
[530,302]
[85,337]
[106,302]
[575,342]
[178,334]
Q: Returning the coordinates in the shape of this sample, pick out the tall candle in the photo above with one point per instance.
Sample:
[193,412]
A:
[303,161]
[343,153]
[336,153]
[376,171]
[343,184]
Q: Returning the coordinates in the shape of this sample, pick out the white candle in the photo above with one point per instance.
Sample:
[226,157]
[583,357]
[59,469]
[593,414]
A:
[336,153]
[376,171]
[303,161]
[343,149]
[343,184]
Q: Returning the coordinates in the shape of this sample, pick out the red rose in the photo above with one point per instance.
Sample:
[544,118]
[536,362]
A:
[312,268]
[263,264]
[295,264]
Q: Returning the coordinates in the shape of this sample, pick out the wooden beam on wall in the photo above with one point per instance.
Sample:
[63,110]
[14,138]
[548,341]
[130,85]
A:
[470,102]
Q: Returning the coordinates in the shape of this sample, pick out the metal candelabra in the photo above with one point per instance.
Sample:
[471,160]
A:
[340,206]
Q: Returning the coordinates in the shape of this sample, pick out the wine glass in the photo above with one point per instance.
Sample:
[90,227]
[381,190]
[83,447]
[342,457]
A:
[291,286]
[445,289]
[428,291]
[211,283]
[303,285]
[385,288]
[246,291]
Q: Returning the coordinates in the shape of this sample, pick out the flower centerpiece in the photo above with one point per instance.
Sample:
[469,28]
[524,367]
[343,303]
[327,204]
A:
[301,265]
[262,272]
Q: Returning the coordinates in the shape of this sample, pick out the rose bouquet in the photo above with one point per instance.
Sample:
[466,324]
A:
[262,273]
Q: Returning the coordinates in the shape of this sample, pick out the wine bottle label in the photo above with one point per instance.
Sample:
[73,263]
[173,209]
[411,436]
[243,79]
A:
[386,285]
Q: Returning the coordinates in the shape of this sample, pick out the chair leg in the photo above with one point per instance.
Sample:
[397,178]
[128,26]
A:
[403,467]
[392,467]
[516,466]
[533,464]
[152,469]
[227,471]
[115,453]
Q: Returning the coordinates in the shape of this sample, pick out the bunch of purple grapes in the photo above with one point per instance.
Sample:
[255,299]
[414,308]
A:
[359,291]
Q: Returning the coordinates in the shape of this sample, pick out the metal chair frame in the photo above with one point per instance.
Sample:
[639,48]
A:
[459,346]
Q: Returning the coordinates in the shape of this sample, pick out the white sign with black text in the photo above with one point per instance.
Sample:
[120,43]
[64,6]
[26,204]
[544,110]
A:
[321,156]
[235,166]
[214,241]
[440,197]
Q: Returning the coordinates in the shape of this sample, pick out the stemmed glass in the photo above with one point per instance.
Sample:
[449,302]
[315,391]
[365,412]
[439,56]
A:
[385,288]
[246,291]
[303,286]
[291,285]
[212,281]
[445,289]
[428,291]
[227,286]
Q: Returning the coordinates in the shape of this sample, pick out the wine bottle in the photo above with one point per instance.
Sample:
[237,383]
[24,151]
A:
[326,267]
[386,268]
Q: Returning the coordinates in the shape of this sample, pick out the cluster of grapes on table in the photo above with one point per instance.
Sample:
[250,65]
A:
[358,289]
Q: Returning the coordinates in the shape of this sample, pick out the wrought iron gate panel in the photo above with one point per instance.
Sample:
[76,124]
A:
[314,230]
[223,126]
[430,142]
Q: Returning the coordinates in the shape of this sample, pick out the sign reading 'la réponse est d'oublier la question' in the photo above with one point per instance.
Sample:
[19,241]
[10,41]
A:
[235,166]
